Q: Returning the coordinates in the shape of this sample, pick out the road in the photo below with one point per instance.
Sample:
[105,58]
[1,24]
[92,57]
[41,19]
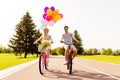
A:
[82,70]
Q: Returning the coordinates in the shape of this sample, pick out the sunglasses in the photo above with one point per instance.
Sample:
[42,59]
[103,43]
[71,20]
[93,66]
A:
[65,28]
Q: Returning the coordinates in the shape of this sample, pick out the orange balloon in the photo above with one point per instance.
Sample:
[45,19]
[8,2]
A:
[53,14]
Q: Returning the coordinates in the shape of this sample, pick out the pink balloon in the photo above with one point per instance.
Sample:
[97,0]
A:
[44,22]
[54,20]
[51,23]
[61,15]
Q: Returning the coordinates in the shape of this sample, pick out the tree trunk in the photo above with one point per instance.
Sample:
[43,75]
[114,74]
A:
[25,55]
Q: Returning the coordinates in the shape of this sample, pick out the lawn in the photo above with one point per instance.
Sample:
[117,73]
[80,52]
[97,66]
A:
[103,58]
[8,60]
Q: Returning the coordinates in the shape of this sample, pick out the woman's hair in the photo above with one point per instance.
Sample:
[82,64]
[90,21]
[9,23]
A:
[46,30]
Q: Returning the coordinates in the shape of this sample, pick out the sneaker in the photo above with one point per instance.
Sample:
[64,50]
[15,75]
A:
[65,63]
[47,60]
[72,61]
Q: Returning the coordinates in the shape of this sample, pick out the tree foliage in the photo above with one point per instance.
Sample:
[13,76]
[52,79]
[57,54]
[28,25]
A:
[26,33]
[79,45]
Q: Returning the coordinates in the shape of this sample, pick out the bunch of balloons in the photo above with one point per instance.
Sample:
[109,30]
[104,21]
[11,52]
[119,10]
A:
[50,16]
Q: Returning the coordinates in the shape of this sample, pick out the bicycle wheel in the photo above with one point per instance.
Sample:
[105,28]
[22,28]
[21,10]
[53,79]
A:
[70,63]
[41,64]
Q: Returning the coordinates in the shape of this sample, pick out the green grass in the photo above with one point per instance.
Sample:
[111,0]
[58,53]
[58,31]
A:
[9,60]
[103,58]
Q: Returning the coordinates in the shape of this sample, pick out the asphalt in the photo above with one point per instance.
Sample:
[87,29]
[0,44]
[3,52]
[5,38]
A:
[82,70]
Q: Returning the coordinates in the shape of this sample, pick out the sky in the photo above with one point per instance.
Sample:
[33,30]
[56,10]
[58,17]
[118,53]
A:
[97,21]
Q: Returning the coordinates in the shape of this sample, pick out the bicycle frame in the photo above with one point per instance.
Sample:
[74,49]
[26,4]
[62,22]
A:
[42,61]
[69,64]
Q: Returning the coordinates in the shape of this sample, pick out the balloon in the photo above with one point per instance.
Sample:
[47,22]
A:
[49,12]
[48,18]
[44,16]
[57,10]
[57,17]
[61,15]
[45,9]
[44,22]
[54,13]
[51,23]
[52,8]
[43,27]
[54,20]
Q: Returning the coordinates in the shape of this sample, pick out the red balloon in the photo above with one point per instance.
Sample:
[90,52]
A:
[61,15]
[48,18]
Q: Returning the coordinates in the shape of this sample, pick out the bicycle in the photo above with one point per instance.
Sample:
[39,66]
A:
[43,63]
[69,63]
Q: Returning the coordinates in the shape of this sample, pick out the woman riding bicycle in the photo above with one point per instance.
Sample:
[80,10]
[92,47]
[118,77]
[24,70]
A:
[67,37]
[46,39]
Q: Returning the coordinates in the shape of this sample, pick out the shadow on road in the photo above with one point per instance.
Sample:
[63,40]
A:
[77,75]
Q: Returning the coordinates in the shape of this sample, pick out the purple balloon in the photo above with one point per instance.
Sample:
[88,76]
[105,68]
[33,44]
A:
[45,9]
[52,8]
[44,16]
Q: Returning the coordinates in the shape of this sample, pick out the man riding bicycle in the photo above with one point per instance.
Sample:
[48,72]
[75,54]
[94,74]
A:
[67,37]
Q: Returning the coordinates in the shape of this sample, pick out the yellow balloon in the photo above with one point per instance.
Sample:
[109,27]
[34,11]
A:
[57,10]
[57,17]
[49,12]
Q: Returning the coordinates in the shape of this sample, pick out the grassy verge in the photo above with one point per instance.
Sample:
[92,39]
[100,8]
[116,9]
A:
[8,60]
[103,58]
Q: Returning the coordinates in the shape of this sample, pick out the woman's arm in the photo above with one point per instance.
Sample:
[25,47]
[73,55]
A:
[51,39]
[38,39]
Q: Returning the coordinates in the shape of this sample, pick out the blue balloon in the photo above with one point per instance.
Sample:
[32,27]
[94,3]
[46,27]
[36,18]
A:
[43,27]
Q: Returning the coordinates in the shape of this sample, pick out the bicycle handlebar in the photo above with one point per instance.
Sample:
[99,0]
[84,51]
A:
[65,43]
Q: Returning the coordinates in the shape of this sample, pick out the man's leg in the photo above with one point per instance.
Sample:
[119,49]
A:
[66,54]
[74,52]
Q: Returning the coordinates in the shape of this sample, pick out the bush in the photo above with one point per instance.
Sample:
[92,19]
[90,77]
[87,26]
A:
[116,52]
[91,51]
[53,52]
[58,51]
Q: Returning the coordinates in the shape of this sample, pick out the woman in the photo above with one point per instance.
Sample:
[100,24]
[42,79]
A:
[46,39]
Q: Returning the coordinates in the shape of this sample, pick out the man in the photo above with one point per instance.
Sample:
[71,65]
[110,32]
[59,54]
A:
[67,37]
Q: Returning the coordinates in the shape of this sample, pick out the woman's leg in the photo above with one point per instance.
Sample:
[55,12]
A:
[48,52]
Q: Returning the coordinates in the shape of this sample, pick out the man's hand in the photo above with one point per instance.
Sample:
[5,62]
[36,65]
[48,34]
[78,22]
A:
[61,41]
[77,41]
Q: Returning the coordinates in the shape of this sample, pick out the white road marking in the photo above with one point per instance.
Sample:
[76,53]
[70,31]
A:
[99,71]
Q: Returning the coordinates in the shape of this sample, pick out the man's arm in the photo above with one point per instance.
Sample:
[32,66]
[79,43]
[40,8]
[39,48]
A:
[74,38]
[61,39]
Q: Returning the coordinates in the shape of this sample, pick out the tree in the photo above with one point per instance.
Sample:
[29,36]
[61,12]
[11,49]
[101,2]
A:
[24,37]
[78,45]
